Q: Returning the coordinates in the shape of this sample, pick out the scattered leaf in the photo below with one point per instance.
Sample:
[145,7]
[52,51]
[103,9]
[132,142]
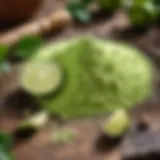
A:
[5,67]
[28,45]
[83,15]
[3,52]
[6,156]
[79,10]
[5,142]
[87,2]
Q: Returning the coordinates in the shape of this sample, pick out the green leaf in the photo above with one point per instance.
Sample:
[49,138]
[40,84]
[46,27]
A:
[5,142]
[157,6]
[79,11]
[28,45]
[142,13]
[110,5]
[3,51]
[6,156]
[5,67]
[87,2]
[83,15]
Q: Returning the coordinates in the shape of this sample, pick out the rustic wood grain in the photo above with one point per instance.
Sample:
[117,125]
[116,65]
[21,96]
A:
[39,147]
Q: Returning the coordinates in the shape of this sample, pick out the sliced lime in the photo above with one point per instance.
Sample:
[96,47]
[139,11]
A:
[35,121]
[40,78]
[63,135]
[117,124]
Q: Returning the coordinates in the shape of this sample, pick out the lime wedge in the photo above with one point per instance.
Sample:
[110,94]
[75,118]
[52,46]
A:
[117,124]
[40,78]
[35,121]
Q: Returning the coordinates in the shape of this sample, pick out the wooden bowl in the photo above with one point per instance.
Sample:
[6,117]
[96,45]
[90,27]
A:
[18,10]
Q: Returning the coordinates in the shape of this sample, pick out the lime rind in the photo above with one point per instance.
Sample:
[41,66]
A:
[40,78]
[117,124]
[35,121]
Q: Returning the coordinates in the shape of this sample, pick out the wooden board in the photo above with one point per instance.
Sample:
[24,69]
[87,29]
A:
[40,147]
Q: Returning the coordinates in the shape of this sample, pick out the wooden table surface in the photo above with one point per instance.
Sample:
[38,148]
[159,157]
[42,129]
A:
[40,147]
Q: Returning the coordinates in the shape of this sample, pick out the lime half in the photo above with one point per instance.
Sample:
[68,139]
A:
[117,124]
[40,78]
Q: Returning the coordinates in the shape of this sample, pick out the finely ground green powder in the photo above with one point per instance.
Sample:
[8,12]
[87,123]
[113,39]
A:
[99,77]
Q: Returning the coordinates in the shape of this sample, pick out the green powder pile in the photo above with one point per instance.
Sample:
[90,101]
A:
[99,77]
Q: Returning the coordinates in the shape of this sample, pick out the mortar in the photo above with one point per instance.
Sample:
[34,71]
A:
[18,10]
